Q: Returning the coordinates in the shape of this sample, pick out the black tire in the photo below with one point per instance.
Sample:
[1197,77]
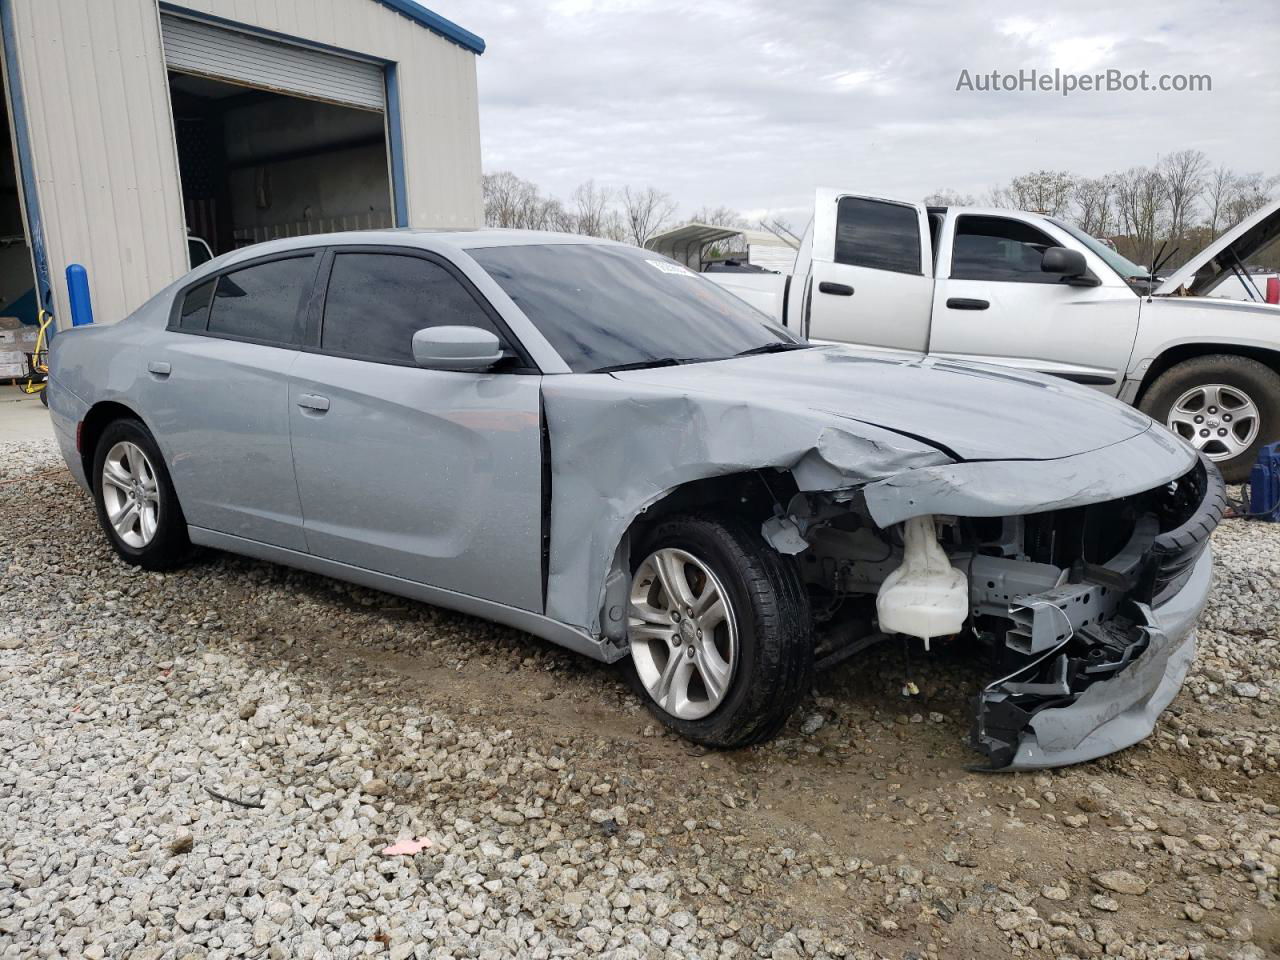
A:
[774,663]
[1260,382]
[169,545]
[44,395]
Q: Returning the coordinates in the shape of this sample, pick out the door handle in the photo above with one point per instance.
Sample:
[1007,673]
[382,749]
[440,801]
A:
[835,289]
[159,368]
[310,401]
[964,303]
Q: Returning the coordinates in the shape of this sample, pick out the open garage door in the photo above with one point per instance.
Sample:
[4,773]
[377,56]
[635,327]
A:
[203,49]
[17,279]
[274,139]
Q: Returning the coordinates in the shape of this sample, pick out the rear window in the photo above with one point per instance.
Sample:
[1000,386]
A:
[261,302]
[194,314]
[601,305]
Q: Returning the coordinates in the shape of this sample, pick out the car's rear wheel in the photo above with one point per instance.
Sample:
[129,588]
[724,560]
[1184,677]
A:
[1226,406]
[719,630]
[137,506]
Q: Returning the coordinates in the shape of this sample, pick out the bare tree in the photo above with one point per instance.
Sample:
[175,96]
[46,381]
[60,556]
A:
[645,211]
[508,200]
[590,209]
[1221,184]
[1094,205]
[1183,175]
[1142,205]
[949,198]
[1042,191]
[1250,192]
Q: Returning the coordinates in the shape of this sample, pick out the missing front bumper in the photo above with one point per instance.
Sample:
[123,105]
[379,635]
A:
[1023,732]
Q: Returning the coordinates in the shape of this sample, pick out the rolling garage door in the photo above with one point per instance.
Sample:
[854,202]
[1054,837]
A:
[191,46]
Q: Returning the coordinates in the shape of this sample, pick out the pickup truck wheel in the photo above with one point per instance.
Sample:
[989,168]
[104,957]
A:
[137,507]
[719,630]
[1224,405]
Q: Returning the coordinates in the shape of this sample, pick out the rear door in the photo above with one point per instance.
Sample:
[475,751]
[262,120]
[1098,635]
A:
[994,304]
[429,475]
[871,281]
[216,393]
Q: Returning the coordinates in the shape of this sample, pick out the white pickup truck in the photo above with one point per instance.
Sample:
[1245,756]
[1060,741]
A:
[1031,291]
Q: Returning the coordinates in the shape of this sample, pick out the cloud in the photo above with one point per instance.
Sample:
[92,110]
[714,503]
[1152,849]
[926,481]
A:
[752,103]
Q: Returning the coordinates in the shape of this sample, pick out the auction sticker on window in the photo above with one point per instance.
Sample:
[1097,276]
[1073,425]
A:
[674,268]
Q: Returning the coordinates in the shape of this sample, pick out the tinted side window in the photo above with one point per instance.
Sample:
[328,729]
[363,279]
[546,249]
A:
[879,235]
[261,302]
[377,301]
[993,248]
[194,314]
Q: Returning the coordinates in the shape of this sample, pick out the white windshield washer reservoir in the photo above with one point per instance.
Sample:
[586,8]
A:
[926,596]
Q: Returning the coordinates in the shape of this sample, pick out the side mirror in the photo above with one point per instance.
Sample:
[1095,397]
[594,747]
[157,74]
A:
[456,348]
[1069,263]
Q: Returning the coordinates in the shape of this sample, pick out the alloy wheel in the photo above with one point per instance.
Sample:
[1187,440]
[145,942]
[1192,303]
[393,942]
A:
[683,633]
[131,494]
[1220,420]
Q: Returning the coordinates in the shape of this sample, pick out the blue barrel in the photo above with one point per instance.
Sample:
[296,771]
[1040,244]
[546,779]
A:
[1264,484]
[78,294]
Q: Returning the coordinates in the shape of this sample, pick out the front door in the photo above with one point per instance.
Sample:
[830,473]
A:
[993,303]
[871,282]
[432,476]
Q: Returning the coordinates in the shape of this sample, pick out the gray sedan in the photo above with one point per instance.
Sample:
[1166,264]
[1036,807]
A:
[591,443]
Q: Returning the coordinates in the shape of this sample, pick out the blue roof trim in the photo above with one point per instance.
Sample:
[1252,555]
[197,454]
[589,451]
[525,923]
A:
[437,24]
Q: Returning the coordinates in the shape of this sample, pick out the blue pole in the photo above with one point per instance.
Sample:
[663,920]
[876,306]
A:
[78,294]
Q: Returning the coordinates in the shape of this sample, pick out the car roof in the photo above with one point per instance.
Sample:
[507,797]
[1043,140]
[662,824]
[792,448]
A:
[439,240]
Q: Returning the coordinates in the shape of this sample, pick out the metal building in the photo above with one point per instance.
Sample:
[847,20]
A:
[141,132]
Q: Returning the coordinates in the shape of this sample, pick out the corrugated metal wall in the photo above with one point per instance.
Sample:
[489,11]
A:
[102,147]
[102,134]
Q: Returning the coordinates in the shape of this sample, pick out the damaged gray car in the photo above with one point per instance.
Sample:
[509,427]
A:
[591,443]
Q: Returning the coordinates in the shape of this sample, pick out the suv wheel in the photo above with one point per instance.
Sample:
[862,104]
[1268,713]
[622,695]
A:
[719,630]
[137,507]
[1226,406]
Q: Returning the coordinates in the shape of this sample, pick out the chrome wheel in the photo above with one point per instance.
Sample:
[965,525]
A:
[1219,420]
[683,634]
[130,494]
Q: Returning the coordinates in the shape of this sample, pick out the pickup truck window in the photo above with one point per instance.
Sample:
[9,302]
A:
[878,235]
[1127,269]
[1000,249]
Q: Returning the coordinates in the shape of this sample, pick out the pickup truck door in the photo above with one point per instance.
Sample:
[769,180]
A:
[871,277]
[994,304]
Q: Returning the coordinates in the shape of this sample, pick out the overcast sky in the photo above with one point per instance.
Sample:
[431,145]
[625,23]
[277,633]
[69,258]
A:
[752,103]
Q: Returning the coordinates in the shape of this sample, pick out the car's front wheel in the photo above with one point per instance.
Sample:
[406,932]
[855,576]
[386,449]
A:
[719,631]
[137,506]
[1225,406]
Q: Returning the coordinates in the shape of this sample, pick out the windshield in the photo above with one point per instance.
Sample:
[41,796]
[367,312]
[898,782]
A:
[1127,269]
[602,306]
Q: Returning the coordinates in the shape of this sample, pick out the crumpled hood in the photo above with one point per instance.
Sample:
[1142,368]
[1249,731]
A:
[975,412]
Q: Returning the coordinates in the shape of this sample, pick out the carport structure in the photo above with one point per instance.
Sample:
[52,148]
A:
[137,124]
[688,244]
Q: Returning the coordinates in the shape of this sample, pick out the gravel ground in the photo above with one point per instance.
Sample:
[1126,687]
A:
[209,763]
